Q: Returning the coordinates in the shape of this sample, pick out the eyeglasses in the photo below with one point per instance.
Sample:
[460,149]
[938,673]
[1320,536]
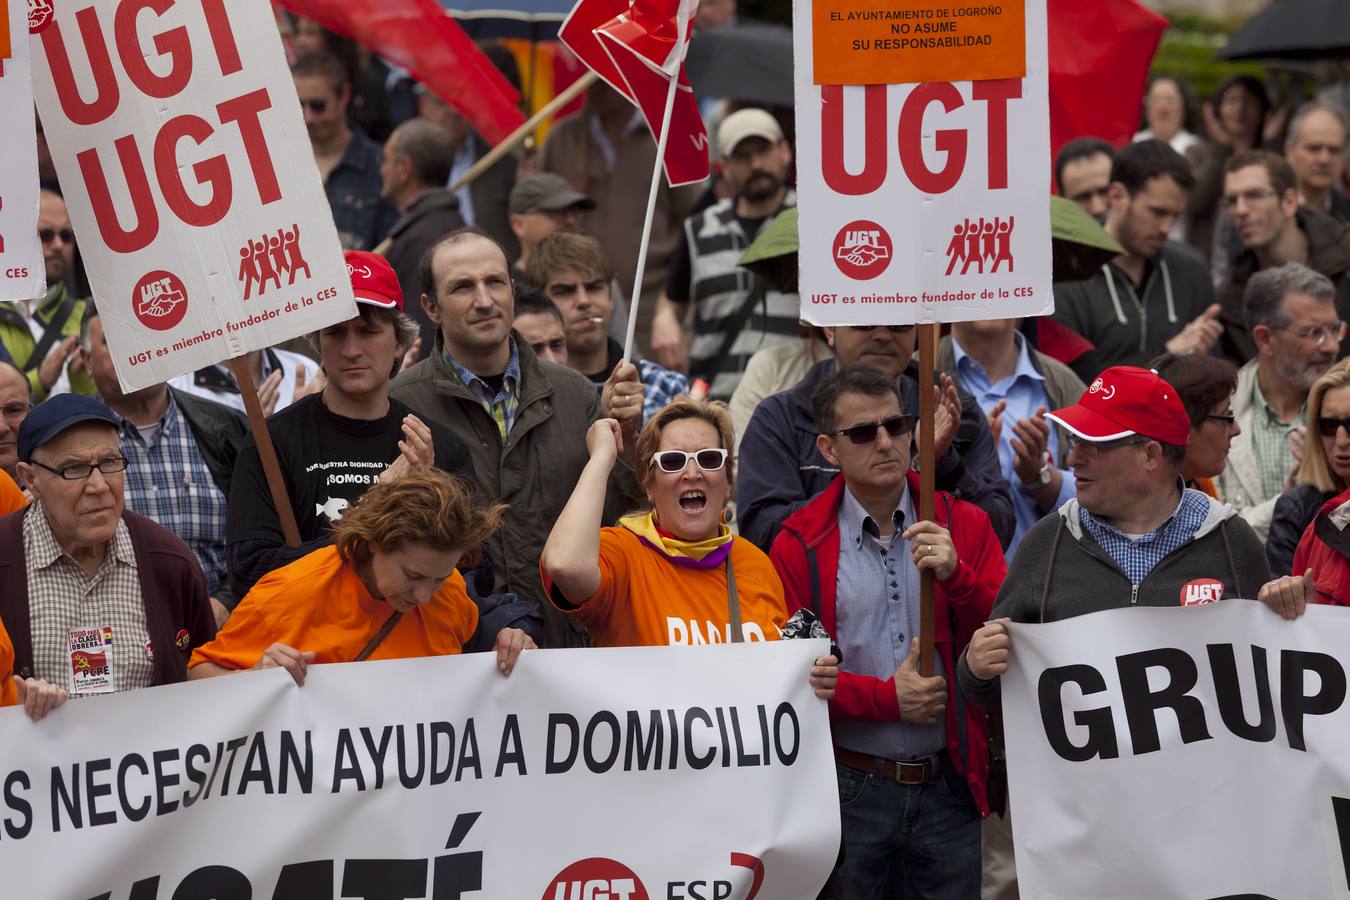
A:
[1096,448]
[1328,427]
[1252,197]
[866,432]
[15,411]
[1319,333]
[318,107]
[47,235]
[80,471]
[893,329]
[1226,418]
[674,461]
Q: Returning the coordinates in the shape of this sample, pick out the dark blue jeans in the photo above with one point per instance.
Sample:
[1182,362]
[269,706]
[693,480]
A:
[907,841]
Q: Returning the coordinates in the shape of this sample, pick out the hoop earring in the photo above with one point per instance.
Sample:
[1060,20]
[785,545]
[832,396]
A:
[728,515]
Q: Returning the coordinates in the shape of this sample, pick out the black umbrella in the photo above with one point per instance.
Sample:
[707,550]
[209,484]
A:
[751,62]
[1293,29]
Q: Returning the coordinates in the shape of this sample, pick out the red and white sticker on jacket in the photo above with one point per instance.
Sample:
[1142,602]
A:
[1201,591]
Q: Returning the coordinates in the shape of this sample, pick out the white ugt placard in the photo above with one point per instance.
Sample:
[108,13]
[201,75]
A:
[924,202]
[199,211]
[23,276]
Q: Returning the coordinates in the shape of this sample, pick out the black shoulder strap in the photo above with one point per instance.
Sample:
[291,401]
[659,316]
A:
[51,333]
[733,603]
[379,637]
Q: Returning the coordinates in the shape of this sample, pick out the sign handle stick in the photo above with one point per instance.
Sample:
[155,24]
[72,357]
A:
[266,452]
[514,138]
[636,296]
[927,335]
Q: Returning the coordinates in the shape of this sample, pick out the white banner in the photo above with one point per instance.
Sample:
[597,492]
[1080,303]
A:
[1189,753]
[628,774]
[923,202]
[23,275]
[184,159]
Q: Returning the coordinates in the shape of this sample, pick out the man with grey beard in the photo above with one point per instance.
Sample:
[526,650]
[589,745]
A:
[1291,316]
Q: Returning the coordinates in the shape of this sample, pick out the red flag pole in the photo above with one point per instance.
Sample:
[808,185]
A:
[661,142]
[928,338]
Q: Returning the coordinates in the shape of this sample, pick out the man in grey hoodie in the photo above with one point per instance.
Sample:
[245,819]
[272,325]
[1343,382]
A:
[1134,536]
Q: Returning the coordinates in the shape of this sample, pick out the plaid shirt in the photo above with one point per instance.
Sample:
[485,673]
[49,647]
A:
[1270,441]
[1137,558]
[661,387]
[62,598]
[168,481]
[503,404]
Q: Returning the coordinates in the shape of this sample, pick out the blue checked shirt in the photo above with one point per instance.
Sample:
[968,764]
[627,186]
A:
[168,481]
[661,387]
[1137,557]
[501,405]
[876,617]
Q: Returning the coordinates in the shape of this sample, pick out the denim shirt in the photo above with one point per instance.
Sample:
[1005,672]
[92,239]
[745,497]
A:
[353,187]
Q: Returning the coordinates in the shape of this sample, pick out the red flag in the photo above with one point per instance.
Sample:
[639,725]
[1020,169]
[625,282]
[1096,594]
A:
[1099,58]
[420,38]
[638,50]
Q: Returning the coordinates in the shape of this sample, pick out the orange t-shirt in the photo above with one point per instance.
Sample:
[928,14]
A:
[9,694]
[318,603]
[11,498]
[645,600]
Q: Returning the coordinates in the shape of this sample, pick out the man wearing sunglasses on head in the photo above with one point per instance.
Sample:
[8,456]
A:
[40,335]
[1291,316]
[1135,535]
[902,741]
[785,468]
[95,598]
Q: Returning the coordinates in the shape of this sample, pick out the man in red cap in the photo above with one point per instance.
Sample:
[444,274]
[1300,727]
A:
[1134,536]
[334,445]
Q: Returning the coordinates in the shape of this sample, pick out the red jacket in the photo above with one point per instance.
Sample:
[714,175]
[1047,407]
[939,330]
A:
[806,555]
[1326,550]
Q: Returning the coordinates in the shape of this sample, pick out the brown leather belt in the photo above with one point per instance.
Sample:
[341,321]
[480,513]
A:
[918,771]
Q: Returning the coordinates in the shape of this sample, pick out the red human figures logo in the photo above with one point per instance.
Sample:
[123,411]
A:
[159,300]
[268,258]
[979,244]
[862,249]
[39,15]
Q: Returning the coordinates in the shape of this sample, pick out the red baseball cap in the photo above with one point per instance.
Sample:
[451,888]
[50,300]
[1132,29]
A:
[1124,401]
[373,280]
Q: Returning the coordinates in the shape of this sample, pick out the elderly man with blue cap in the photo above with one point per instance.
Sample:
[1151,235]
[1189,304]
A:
[97,599]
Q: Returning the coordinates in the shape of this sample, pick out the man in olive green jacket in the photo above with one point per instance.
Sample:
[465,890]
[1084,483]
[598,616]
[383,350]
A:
[523,419]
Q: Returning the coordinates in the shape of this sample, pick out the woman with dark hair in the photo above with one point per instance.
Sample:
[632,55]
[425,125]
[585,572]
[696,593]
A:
[1205,385]
[1324,471]
[674,574]
[1235,120]
[1168,108]
[387,588]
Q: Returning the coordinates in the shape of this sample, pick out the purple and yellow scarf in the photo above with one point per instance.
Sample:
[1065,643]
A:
[705,554]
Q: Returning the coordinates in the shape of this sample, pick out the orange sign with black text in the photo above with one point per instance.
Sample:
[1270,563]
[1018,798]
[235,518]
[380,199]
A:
[885,42]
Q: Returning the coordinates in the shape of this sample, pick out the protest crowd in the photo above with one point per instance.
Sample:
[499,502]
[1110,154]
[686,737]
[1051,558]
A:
[511,479]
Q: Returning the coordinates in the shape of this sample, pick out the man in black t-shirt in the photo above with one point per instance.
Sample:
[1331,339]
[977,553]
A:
[333,446]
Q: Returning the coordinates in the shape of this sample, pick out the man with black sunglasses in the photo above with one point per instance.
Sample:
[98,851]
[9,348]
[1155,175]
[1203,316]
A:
[95,598]
[1135,535]
[784,467]
[903,742]
[348,160]
[39,336]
